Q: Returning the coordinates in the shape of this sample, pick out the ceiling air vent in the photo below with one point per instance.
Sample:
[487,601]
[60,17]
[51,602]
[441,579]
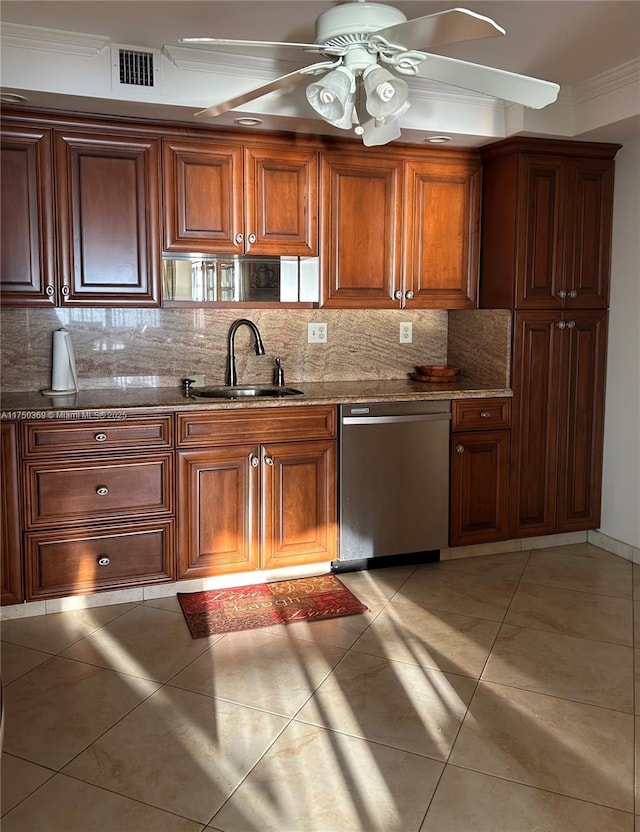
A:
[135,67]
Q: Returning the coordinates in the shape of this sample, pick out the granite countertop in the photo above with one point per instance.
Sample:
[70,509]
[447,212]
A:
[102,402]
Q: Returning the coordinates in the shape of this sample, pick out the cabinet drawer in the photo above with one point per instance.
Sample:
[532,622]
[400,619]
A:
[76,492]
[480,414]
[275,424]
[107,557]
[85,436]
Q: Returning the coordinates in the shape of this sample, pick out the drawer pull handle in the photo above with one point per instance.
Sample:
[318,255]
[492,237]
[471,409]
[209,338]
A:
[485,414]
[100,437]
[102,490]
[460,449]
[104,561]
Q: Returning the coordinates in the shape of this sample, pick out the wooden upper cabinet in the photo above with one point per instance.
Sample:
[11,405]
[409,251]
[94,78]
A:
[27,257]
[360,230]
[546,224]
[441,234]
[108,219]
[223,199]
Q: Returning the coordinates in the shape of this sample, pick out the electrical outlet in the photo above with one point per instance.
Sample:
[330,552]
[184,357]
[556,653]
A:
[317,333]
[406,332]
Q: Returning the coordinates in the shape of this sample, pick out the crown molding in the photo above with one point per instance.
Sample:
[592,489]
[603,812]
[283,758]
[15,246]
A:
[607,82]
[51,40]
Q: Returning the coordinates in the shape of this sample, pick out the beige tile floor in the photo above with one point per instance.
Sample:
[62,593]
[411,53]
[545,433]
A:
[490,694]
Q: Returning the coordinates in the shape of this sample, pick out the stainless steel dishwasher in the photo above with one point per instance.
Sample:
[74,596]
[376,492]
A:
[394,479]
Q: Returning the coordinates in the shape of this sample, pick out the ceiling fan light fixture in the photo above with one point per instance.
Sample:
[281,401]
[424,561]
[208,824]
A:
[333,95]
[386,97]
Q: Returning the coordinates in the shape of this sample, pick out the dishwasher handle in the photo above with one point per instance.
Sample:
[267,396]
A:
[390,420]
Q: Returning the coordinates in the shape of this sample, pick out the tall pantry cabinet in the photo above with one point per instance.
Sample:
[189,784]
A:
[546,246]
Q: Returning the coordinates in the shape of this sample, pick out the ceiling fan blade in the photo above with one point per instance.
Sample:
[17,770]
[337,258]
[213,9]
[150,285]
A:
[450,26]
[519,89]
[263,48]
[283,81]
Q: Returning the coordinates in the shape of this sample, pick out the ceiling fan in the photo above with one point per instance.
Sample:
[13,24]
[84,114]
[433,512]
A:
[366,49]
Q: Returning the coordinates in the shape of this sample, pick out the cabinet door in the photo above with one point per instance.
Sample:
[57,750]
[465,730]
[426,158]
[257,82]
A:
[442,233]
[27,264]
[479,487]
[299,520]
[202,197]
[589,233]
[10,540]
[534,452]
[218,494]
[540,232]
[581,422]
[108,219]
[281,201]
[361,216]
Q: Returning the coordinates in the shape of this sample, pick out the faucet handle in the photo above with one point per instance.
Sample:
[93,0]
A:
[278,373]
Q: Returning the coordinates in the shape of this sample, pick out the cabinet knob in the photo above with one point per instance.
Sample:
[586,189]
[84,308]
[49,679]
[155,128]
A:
[49,291]
[268,460]
[251,239]
[561,325]
[408,295]
[562,293]
[255,462]
[239,238]
[573,293]
[65,291]
[397,294]
[100,437]
[485,414]
[102,490]
[571,324]
[460,448]
[104,561]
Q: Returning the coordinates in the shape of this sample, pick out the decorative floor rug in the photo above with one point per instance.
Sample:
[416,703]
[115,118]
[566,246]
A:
[261,605]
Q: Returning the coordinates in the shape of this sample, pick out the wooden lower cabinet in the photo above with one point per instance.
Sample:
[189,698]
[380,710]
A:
[11,536]
[558,421]
[260,506]
[480,453]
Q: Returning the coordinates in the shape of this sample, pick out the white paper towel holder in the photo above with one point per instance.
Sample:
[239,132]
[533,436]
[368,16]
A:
[63,369]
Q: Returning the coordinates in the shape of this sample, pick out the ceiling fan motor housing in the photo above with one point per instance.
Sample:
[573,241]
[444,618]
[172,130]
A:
[352,19]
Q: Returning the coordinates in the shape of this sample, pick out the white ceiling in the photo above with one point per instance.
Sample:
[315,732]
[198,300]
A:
[591,48]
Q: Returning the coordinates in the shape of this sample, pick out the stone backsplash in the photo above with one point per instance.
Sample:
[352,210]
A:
[158,347]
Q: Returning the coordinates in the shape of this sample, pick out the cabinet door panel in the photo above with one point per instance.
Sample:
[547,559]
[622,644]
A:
[10,529]
[442,231]
[299,503]
[541,233]
[218,493]
[27,265]
[535,423]
[281,194]
[202,197]
[591,189]
[108,204]
[360,228]
[480,487]
[581,422]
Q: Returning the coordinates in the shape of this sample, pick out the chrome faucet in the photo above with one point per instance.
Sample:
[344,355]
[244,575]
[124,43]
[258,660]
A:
[232,376]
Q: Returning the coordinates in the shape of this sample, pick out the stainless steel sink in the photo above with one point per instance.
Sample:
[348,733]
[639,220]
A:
[244,391]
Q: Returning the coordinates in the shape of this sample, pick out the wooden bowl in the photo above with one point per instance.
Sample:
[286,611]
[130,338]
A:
[437,370]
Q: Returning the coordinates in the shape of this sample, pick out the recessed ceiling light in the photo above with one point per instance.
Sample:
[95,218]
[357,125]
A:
[248,122]
[438,139]
[12,98]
